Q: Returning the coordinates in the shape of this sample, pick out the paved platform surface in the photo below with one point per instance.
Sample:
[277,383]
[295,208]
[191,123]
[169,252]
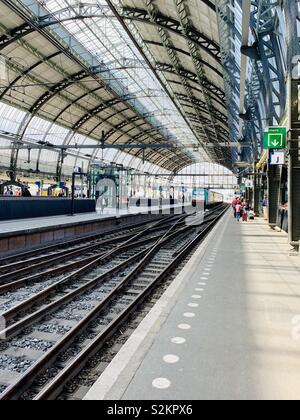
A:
[25,225]
[228,327]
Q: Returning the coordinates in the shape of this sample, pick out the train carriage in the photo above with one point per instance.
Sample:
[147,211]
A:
[206,198]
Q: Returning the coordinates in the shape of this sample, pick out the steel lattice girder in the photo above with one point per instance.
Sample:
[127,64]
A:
[68,54]
[183,13]
[78,99]
[230,33]
[202,106]
[265,22]
[94,112]
[173,25]
[59,87]
[26,72]
[122,125]
[219,93]
[85,11]
[153,12]
[199,90]
[184,52]
[154,17]
[171,49]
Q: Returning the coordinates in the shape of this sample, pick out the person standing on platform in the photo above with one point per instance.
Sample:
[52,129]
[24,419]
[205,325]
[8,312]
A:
[26,193]
[102,204]
[245,210]
[238,212]
[234,204]
[265,205]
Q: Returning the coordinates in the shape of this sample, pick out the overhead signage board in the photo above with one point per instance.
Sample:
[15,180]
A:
[277,157]
[275,138]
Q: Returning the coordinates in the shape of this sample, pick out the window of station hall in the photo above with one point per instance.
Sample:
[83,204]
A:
[208,175]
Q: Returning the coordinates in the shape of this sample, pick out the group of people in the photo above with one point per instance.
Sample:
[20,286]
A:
[241,209]
[16,192]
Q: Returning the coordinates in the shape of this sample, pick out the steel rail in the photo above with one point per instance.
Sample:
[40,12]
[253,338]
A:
[55,387]
[14,329]
[45,260]
[44,294]
[75,241]
[51,390]
[57,270]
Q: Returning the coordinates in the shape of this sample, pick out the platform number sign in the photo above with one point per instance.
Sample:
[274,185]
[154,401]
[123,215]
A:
[275,138]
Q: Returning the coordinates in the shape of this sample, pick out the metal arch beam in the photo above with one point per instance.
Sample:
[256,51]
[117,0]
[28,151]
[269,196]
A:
[51,93]
[174,167]
[184,16]
[56,89]
[55,43]
[152,12]
[195,119]
[65,109]
[167,23]
[84,119]
[117,12]
[81,10]
[111,132]
[198,89]
[122,125]
[219,117]
[69,137]
[93,113]
[86,11]
[27,120]
[76,127]
[162,157]
[224,136]
[220,94]
[124,133]
[59,87]
[163,160]
[146,133]
[99,124]
[181,51]
[25,72]
[202,105]
[138,136]
[90,133]
[174,162]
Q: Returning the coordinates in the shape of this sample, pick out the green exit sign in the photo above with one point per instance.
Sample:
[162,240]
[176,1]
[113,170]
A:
[275,138]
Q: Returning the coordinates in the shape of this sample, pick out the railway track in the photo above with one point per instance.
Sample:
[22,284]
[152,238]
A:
[73,247]
[52,334]
[69,259]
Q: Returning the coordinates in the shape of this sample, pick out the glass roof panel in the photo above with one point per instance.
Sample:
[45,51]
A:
[105,38]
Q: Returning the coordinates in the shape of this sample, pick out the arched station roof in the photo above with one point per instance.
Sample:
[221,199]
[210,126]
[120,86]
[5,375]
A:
[55,74]
[182,40]
[193,74]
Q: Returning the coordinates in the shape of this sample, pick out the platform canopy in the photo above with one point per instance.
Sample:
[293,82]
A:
[182,39]
[138,71]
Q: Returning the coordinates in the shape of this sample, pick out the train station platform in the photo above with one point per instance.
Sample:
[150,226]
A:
[23,234]
[227,328]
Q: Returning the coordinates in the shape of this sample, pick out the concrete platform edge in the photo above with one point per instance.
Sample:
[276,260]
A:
[68,223]
[116,378]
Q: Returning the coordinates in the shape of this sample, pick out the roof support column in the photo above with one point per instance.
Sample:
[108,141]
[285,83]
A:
[274,184]
[293,121]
